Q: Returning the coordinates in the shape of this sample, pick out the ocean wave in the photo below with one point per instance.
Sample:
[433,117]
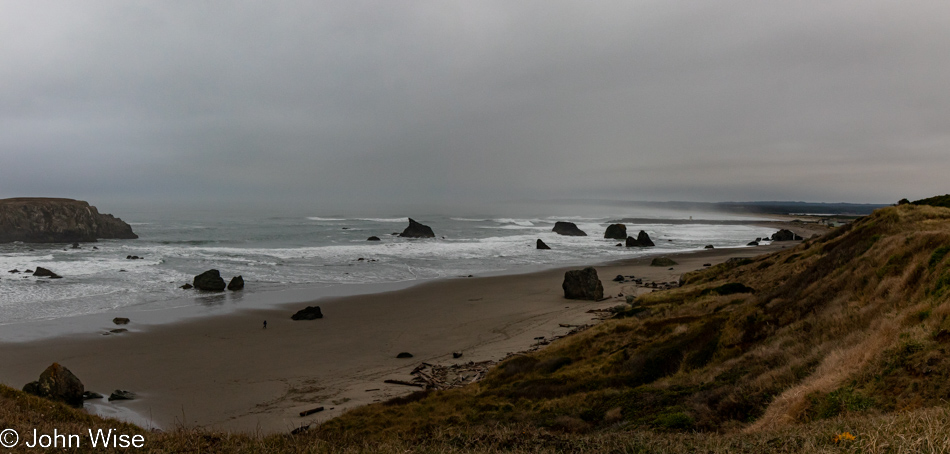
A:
[319,219]
[384,219]
[521,222]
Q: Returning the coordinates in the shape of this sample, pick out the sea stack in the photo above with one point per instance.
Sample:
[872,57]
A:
[616,232]
[209,281]
[642,240]
[49,220]
[567,228]
[417,230]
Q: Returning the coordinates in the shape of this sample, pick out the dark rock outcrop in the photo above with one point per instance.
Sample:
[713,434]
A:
[541,245]
[310,313]
[642,240]
[48,220]
[43,272]
[709,246]
[752,243]
[237,283]
[567,228]
[663,261]
[404,355]
[120,394]
[209,281]
[58,383]
[187,287]
[121,321]
[583,285]
[373,238]
[417,230]
[91,395]
[616,231]
[785,235]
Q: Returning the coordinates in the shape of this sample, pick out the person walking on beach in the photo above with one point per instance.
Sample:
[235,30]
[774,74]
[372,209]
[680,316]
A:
[265,324]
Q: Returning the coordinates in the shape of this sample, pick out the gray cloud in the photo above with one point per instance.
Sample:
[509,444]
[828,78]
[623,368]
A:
[328,105]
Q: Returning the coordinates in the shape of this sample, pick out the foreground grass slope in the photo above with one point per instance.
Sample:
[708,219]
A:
[847,333]
[851,323]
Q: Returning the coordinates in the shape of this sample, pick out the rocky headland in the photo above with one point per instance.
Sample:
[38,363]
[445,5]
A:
[50,220]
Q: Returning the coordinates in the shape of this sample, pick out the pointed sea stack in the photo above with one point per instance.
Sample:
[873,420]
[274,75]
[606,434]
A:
[616,232]
[567,228]
[642,240]
[541,244]
[237,283]
[417,230]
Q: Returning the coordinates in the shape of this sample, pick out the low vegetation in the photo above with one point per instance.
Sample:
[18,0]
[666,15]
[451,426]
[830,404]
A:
[836,345]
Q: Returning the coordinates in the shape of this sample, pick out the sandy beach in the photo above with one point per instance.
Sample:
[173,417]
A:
[228,373]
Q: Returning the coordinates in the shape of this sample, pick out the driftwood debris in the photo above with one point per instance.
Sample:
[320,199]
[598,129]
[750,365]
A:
[311,411]
[439,377]
[434,376]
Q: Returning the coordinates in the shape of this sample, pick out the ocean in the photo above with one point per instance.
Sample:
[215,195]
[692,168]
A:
[308,252]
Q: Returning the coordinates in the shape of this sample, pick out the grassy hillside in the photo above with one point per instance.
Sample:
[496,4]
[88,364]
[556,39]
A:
[853,323]
[937,201]
[798,351]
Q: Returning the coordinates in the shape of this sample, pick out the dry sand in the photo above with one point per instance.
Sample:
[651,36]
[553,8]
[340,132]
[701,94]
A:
[227,373]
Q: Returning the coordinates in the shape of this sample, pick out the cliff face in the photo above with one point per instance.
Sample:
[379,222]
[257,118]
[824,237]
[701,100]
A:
[45,220]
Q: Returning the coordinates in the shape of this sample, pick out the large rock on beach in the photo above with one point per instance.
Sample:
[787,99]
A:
[567,228]
[663,261]
[209,281]
[49,220]
[417,230]
[541,245]
[373,238]
[58,383]
[616,232]
[583,285]
[309,313]
[237,283]
[785,235]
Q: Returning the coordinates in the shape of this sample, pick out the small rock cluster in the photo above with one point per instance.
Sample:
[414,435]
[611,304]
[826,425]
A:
[211,281]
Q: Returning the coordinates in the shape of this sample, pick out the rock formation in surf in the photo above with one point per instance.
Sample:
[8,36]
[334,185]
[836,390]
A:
[567,228]
[616,232]
[417,230]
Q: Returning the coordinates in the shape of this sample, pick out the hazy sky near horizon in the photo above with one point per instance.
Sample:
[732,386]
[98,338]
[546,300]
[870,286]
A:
[328,105]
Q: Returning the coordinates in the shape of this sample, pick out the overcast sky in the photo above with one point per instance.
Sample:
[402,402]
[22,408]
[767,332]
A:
[326,105]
